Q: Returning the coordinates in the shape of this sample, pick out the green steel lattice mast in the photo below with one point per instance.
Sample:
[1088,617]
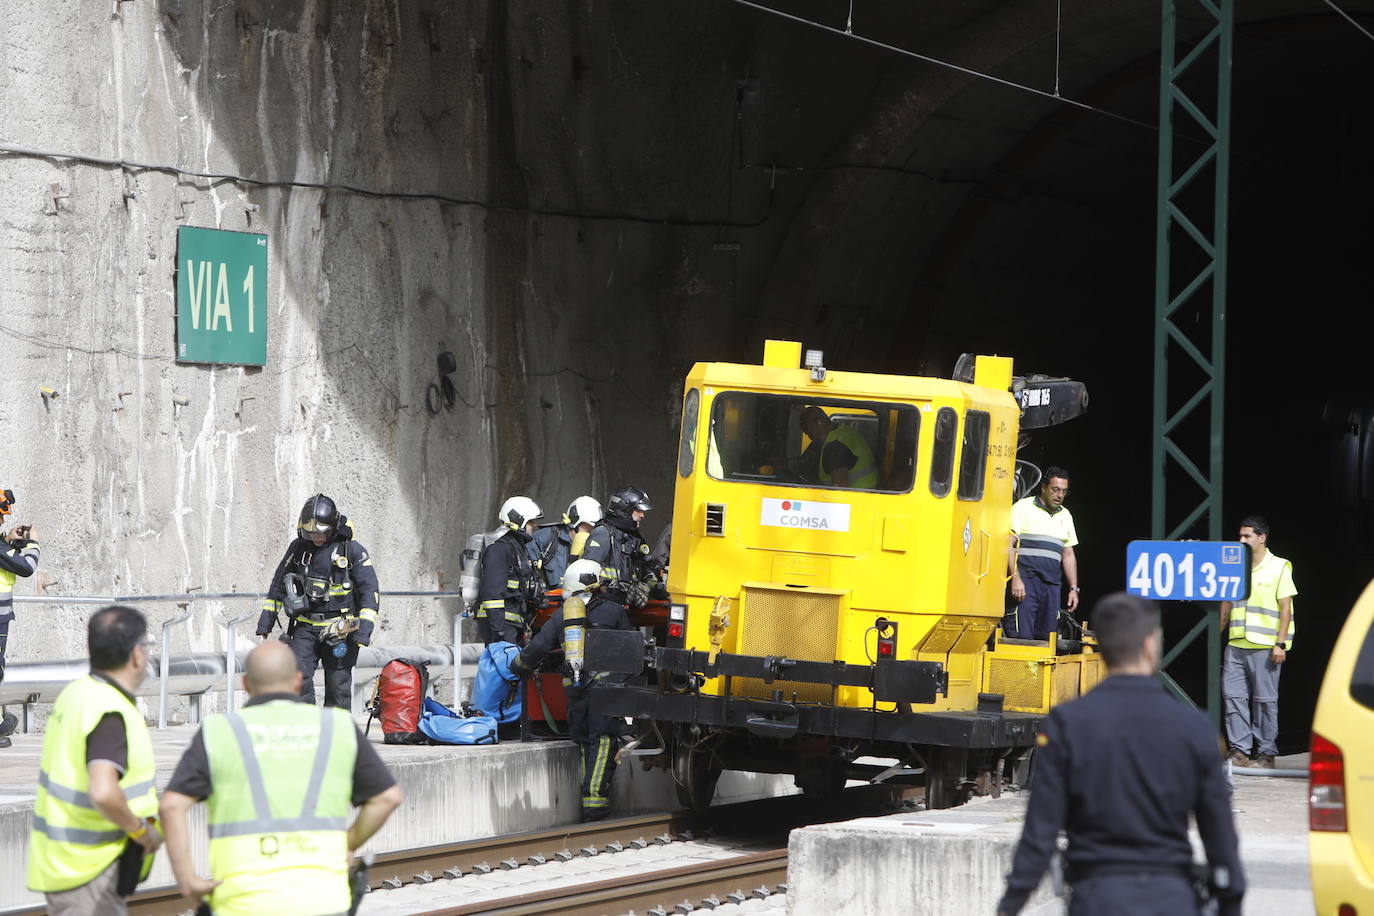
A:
[1192,463]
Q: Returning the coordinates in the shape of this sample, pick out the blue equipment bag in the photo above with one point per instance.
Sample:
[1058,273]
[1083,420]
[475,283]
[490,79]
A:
[496,689]
[445,726]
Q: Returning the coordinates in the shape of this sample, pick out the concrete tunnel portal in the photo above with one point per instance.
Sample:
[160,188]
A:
[583,198]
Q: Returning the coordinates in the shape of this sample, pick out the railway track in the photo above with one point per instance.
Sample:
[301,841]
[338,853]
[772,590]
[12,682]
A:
[754,871]
[700,886]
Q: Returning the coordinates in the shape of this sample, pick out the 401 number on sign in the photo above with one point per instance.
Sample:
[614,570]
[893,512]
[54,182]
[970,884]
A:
[1188,570]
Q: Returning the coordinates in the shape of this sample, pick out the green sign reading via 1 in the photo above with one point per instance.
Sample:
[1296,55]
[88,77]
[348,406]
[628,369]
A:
[1188,570]
[221,297]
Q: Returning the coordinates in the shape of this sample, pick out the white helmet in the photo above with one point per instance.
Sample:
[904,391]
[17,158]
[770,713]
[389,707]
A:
[517,512]
[581,577]
[582,509]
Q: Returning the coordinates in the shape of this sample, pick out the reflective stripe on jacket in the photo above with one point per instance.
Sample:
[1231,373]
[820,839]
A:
[1255,619]
[864,474]
[1041,538]
[508,584]
[15,561]
[71,842]
[281,776]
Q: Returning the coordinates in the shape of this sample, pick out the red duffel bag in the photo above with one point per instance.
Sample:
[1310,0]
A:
[401,693]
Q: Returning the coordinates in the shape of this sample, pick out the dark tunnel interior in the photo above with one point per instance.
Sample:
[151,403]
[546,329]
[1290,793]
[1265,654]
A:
[1046,252]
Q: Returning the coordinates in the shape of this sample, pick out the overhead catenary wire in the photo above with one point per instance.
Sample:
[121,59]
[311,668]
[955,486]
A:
[948,65]
[1058,40]
[1348,18]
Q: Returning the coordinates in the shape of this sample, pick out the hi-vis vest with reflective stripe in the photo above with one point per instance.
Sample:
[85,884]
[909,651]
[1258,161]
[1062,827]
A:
[1256,619]
[71,842]
[1041,538]
[281,777]
[7,580]
[864,474]
[8,577]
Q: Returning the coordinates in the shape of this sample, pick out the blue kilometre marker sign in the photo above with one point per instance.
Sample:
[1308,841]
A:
[1188,570]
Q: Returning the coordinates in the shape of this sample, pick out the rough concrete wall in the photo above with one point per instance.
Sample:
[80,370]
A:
[573,171]
[135,494]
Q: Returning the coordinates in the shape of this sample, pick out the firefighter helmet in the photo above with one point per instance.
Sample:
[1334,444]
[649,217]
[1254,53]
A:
[627,499]
[582,576]
[580,510]
[517,512]
[319,515]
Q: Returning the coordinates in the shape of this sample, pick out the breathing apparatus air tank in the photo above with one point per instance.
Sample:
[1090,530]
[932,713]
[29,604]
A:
[470,577]
[574,635]
[578,581]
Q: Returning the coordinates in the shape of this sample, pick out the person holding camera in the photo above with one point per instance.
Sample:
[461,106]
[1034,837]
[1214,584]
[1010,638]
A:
[18,557]
[327,586]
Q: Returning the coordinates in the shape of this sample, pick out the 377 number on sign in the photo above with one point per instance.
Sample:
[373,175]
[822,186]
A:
[1160,576]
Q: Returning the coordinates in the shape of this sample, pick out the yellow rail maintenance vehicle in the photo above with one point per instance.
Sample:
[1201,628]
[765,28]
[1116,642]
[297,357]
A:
[821,614]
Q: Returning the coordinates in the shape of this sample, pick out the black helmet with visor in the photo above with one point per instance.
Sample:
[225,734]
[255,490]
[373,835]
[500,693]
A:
[319,515]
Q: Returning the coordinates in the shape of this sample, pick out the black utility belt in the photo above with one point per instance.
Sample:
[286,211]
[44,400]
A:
[1081,872]
[320,615]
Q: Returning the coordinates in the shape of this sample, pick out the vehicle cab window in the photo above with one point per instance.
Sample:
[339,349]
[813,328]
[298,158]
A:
[973,459]
[942,452]
[791,440]
[687,448]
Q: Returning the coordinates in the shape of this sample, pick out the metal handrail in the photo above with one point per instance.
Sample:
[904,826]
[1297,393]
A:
[199,673]
[231,657]
[187,598]
[164,662]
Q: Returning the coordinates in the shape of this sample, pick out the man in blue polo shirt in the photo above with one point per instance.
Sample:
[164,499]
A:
[1041,558]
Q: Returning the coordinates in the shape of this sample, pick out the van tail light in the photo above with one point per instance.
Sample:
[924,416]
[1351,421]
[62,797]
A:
[1326,789]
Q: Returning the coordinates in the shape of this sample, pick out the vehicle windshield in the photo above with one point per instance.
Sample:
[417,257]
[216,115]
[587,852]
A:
[813,442]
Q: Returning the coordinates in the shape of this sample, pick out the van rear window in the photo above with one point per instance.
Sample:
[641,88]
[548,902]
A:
[1362,679]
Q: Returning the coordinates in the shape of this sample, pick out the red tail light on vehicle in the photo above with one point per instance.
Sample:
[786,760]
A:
[675,630]
[1326,789]
[887,637]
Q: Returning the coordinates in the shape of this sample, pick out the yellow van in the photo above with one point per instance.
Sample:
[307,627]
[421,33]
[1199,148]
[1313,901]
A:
[1341,798]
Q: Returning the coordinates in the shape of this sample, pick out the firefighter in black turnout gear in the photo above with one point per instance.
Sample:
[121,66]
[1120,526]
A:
[511,587]
[327,586]
[620,549]
[585,607]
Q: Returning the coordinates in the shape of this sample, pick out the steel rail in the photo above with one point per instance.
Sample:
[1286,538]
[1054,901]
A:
[394,869]
[662,888]
[426,864]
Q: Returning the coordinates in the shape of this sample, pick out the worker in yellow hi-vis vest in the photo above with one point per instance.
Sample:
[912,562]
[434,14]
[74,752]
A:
[844,458]
[280,777]
[93,829]
[1259,631]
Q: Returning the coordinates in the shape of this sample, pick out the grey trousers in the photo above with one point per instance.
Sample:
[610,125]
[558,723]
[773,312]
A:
[98,898]
[1250,685]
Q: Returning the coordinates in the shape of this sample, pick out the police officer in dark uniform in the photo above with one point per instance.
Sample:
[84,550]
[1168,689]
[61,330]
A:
[510,587]
[619,548]
[584,603]
[328,587]
[1120,769]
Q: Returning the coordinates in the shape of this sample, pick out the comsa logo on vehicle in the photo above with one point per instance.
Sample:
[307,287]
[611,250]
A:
[792,513]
